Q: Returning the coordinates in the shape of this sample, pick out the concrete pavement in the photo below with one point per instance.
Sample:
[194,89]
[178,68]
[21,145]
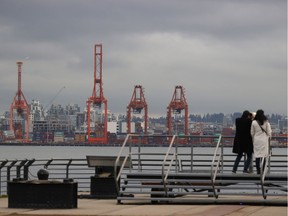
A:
[100,207]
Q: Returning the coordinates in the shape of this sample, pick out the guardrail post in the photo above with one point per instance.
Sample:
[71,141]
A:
[176,157]
[67,168]
[1,166]
[9,169]
[26,168]
[48,163]
[222,156]
[139,158]
[18,168]
[192,159]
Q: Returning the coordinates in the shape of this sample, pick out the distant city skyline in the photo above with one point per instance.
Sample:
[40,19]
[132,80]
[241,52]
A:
[64,106]
[228,55]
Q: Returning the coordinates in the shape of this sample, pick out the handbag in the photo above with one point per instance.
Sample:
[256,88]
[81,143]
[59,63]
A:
[262,128]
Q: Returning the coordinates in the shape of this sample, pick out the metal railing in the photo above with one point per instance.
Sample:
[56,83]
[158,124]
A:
[59,169]
[187,161]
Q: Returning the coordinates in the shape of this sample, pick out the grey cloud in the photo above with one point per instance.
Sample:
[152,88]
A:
[215,49]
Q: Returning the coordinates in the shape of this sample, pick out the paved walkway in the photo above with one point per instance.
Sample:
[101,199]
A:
[98,207]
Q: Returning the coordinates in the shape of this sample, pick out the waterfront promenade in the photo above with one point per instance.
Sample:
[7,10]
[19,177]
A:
[108,207]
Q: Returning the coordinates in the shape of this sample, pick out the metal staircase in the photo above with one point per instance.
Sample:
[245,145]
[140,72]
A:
[180,176]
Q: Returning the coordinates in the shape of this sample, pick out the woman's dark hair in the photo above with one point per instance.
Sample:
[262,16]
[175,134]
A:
[260,117]
[246,114]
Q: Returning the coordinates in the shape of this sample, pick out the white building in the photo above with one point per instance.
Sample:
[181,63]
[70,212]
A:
[36,111]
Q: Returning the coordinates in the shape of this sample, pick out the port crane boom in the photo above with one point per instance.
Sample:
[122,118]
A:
[97,128]
[177,104]
[19,112]
[136,105]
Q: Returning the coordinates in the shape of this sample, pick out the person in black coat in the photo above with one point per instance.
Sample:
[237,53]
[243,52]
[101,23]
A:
[243,141]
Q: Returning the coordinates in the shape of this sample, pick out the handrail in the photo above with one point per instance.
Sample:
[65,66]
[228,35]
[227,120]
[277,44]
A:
[264,170]
[164,178]
[215,154]
[167,154]
[116,174]
[214,174]
[121,168]
[169,167]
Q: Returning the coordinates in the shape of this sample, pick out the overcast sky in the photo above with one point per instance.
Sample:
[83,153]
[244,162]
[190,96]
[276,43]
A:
[229,55]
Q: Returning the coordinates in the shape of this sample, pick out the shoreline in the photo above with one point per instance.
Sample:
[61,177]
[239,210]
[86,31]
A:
[115,145]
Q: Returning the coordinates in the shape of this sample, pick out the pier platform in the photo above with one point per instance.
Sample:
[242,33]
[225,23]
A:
[109,207]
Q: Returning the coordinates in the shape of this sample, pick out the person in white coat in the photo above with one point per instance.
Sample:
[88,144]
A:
[261,134]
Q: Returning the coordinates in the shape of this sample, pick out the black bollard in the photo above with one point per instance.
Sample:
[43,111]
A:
[43,174]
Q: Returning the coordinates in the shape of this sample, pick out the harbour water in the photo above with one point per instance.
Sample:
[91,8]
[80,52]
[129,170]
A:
[80,152]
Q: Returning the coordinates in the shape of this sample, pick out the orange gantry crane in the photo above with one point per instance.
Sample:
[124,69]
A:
[177,104]
[136,105]
[19,112]
[97,126]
